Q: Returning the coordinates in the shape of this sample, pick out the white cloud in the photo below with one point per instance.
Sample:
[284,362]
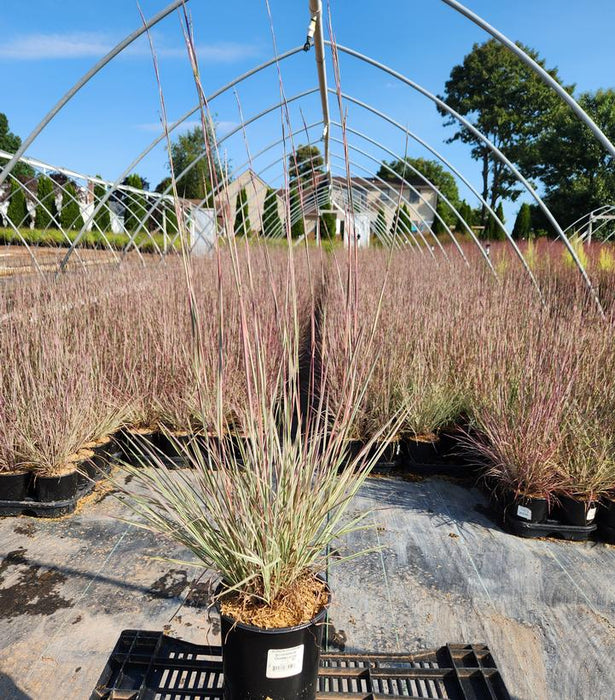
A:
[44,46]
[206,53]
[34,47]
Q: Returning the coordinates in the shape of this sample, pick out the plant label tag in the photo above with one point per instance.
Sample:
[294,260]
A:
[284,663]
[591,514]
[524,512]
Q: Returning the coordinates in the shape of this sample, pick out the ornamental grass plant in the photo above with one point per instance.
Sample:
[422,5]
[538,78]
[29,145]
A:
[264,511]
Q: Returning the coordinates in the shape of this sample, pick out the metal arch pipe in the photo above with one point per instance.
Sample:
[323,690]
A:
[392,121]
[298,208]
[85,79]
[71,174]
[409,204]
[22,239]
[395,205]
[239,169]
[538,69]
[221,185]
[217,189]
[42,204]
[586,216]
[181,120]
[54,219]
[427,181]
[395,123]
[437,154]
[132,196]
[128,190]
[323,197]
[584,237]
[391,153]
[16,228]
[198,159]
[494,149]
[609,210]
[319,50]
[413,189]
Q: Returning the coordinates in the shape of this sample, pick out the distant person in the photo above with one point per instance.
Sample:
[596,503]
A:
[488,249]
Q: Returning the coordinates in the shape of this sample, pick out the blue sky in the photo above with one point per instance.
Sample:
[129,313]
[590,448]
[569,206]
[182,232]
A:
[47,45]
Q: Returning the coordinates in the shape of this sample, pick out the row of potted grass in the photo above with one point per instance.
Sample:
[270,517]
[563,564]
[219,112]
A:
[530,384]
[83,356]
[526,385]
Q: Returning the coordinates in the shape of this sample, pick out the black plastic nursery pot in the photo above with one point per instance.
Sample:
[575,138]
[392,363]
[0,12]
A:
[388,458]
[436,455]
[48,489]
[606,513]
[577,512]
[422,451]
[279,664]
[136,446]
[606,520]
[529,509]
[14,486]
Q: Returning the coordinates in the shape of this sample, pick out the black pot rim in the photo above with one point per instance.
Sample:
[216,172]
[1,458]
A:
[66,475]
[562,497]
[14,472]
[278,630]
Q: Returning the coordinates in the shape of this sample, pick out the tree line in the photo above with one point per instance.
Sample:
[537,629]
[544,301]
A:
[492,88]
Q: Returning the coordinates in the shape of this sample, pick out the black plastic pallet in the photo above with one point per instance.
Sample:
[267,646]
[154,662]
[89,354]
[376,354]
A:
[153,666]
[606,533]
[39,509]
[551,528]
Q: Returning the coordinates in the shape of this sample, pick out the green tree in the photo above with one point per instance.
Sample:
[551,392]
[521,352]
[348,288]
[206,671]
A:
[493,231]
[187,149]
[102,219]
[70,216]
[508,103]
[163,185]
[444,214]
[432,171]
[305,164]
[297,228]
[17,211]
[523,223]
[135,203]
[577,173]
[328,222]
[10,142]
[242,226]
[402,223]
[467,214]
[46,208]
[380,226]
[272,224]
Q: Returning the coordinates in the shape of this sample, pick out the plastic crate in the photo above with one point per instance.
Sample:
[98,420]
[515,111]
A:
[153,666]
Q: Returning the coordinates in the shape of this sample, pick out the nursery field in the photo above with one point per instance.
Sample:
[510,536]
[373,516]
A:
[506,380]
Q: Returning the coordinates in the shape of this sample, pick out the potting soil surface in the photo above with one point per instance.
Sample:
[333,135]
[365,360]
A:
[445,572]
